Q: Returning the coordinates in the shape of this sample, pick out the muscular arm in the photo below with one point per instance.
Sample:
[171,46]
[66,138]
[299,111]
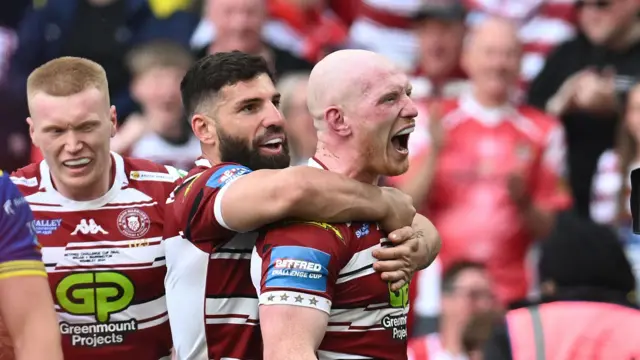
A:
[429,241]
[27,312]
[298,337]
[266,196]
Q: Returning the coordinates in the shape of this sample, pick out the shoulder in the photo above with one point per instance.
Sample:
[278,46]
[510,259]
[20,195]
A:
[223,174]
[145,170]
[324,230]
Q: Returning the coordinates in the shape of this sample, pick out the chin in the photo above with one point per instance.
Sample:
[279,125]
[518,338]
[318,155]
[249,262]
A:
[396,168]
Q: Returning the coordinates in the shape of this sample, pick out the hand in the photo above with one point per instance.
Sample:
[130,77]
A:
[401,209]
[596,92]
[518,191]
[564,98]
[398,263]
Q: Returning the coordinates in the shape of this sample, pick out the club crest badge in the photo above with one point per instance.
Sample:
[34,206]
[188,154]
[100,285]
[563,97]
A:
[134,223]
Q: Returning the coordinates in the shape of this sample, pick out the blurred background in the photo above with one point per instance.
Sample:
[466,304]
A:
[565,71]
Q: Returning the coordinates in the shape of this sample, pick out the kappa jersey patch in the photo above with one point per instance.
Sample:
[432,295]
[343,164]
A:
[226,174]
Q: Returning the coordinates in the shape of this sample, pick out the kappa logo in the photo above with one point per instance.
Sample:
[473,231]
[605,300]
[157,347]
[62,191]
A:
[133,223]
[88,227]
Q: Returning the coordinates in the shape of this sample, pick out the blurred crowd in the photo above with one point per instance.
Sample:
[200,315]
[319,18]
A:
[562,72]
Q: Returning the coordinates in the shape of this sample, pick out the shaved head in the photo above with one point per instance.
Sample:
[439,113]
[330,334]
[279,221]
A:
[491,57]
[342,77]
[361,107]
[493,29]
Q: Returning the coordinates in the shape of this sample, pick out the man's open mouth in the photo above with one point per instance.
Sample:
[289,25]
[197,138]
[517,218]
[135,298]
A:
[400,140]
[274,144]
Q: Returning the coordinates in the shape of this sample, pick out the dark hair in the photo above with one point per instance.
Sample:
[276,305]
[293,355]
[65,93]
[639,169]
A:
[451,274]
[213,72]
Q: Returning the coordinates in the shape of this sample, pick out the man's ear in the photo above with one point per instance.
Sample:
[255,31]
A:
[32,132]
[204,129]
[113,117]
[334,117]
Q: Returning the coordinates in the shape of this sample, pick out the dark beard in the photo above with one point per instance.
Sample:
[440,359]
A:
[235,150]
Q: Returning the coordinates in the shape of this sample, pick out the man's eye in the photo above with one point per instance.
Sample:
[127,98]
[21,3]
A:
[276,103]
[390,98]
[249,108]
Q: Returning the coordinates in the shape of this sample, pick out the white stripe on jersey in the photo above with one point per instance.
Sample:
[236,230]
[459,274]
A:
[360,264]
[330,355]
[185,285]
[361,319]
[147,314]
[89,255]
[295,298]
[125,198]
[232,311]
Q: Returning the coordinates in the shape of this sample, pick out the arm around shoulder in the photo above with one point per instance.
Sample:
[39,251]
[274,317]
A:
[266,196]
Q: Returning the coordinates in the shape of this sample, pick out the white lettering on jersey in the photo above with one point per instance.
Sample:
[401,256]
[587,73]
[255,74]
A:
[88,228]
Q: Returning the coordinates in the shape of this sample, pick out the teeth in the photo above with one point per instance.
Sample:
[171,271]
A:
[405,131]
[274,141]
[77,162]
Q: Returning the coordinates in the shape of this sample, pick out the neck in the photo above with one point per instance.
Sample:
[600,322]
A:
[486,99]
[630,37]
[345,163]
[212,155]
[450,337]
[88,193]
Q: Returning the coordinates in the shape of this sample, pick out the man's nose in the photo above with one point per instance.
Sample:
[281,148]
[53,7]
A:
[273,117]
[73,143]
[410,110]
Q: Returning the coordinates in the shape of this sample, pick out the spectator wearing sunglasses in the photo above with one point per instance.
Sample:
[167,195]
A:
[581,83]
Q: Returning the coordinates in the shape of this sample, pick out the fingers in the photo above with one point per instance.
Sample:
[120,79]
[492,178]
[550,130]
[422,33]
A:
[397,285]
[395,253]
[401,235]
[389,266]
[395,276]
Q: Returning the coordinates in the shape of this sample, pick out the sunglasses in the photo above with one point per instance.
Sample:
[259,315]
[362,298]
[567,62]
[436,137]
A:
[599,4]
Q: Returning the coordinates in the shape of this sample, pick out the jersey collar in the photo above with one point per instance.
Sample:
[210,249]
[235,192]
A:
[488,116]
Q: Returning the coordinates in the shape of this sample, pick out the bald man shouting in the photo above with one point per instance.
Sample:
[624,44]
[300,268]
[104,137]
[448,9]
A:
[319,295]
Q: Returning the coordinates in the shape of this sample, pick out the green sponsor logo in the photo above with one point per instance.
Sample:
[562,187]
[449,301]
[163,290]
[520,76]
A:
[95,293]
[400,298]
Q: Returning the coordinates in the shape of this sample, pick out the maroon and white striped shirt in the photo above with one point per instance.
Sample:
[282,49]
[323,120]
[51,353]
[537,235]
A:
[105,260]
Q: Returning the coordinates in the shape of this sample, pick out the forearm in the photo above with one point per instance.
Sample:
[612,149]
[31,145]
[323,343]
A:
[539,222]
[430,242]
[419,185]
[26,308]
[331,197]
[285,352]
[36,340]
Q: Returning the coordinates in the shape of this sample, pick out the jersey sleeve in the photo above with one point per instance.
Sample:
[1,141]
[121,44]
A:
[550,190]
[300,264]
[19,249]
[219,182]
[199,197]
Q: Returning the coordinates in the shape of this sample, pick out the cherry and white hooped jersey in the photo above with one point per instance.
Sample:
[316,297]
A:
[105,260]
[213,306]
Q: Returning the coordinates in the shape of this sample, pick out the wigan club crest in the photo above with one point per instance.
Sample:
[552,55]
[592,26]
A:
[133,223]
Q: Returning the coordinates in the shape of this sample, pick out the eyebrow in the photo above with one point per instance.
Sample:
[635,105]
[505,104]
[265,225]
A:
[84,123]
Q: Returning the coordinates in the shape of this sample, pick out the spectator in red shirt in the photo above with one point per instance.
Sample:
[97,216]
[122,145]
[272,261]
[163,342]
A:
[496,177]
[440,32]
